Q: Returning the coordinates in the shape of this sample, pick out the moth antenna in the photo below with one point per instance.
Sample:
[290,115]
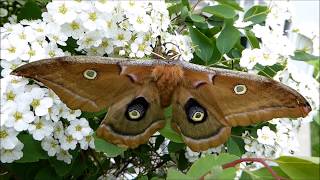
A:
[173,57]
[157,55]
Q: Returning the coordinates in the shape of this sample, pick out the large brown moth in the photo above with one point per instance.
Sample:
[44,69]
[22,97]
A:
[206,102]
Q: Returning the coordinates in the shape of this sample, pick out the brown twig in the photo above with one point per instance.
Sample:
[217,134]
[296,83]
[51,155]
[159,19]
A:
[259,160]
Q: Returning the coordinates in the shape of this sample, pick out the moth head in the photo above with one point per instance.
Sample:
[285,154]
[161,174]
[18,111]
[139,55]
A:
[136,109]
[195,112]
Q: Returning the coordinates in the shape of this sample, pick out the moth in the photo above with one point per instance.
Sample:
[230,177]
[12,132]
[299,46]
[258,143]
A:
[206,102]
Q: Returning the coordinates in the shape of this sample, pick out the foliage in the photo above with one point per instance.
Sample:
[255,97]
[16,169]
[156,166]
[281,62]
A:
[220,34]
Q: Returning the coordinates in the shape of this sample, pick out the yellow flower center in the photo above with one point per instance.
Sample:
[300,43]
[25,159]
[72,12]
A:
[78,128]
[74,25]
[53,144]
[88,40]
[252,59]
[109,24]
[88,138]
[39,125]
[32,52]
[141,47]
[12,49]
[3,134]
[139,20]
[63,9]
[10,95]
[93,16]
[39,30]
[17,116]
[52,53]
[69,138]
[105,43]
[120,37]
[35,103]
[22,35]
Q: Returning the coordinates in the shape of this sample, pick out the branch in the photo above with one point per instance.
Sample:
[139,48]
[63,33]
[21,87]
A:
[259,160]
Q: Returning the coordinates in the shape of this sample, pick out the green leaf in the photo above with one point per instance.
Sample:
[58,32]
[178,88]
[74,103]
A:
[186,4]
[269,71]
[220,10]
[205,164]
[256,14]
[47,173]
[175,9]
[203,44]
[108,148]
[254,43]
[227,39]
[297,168]
[231,3]
[174,147]
[169,133]
[60,167]
[264,174]
[304,56]
[229,173]
[29,11]
[233,147]
[174,174]
[32,151]
[184,13]
[245,175]
[197,18]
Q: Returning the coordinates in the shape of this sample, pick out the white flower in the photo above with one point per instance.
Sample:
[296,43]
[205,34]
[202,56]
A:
[266,136]
[50,145]
[108,25]
[58,130]
[87,141]
[22,35]
[55,34]
[40,128]
[35,52]
[140,21]
[90,19]
[133,6]
[121,38]
[106,46]
[8,66]
[62,11]
[10,155]
[39,102]
[268,58]
[105,6]
[191,155]
[11,50]
[52,50]
[140,48]
[260,31]
[64,156]
[19,117]
[73,29]
[90,39]
[250,57]
[79,128]
[71,115]
[68,142]
[8,138]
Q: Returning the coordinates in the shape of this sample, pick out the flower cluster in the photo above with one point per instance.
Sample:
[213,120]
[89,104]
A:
[275,46]
[124,28]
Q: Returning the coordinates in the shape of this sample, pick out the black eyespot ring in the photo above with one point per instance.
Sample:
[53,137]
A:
[136,109]
[195,112]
